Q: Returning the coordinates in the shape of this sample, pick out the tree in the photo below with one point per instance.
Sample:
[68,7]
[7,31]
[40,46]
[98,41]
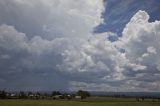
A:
[22,95]
[30,93]
[83,94]
[3,94]
[56,93]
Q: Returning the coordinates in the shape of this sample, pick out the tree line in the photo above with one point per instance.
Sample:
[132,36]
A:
[39,95]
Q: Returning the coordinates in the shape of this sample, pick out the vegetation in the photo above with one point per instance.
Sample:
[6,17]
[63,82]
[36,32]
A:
[90,102]
[3,94]
[83,94]
[38,95]
[57,98]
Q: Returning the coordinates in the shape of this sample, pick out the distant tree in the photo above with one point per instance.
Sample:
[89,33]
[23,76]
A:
[3,94]
[22,95]
[46,94]
[83,94]
[56,93]
[38,94]
[137,99]
[30,93]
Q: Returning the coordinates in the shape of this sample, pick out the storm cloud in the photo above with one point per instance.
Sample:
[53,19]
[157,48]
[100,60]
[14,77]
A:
[51,44]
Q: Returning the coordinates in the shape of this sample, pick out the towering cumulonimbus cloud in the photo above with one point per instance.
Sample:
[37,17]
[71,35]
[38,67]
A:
[53,40]
[134,69]
[141,41]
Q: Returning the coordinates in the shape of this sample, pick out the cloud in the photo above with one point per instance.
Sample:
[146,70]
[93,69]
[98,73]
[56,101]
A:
[51,19]
[53,41]
[118,13]
[74,86]
[140,41]
[35,35]
[139,63]
[11,39]
[151,50]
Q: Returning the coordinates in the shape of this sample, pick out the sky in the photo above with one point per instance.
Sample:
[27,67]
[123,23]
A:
[70,45]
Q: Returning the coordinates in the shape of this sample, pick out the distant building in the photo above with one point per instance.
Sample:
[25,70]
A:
[12,94]
[31,95]
[78,97]
[57,96]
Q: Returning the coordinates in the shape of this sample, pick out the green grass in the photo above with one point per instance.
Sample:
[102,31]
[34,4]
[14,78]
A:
[109,99]
[93,101]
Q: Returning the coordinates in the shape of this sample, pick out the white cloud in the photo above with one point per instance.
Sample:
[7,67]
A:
[151,50]
[53,18]
[11,39]
[58,36]
[141,40]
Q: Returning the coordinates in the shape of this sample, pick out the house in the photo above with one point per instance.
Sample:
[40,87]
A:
[12,94]
[78,97]
[31,95]
[58,96]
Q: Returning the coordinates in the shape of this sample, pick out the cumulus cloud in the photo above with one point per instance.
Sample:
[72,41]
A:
[55,39]
[139,63]
[141,40]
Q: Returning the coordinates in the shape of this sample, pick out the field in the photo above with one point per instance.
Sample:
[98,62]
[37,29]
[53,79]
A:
[93,101]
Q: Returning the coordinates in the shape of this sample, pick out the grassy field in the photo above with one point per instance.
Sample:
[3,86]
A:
[94,101]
